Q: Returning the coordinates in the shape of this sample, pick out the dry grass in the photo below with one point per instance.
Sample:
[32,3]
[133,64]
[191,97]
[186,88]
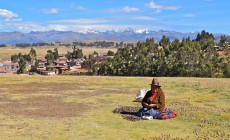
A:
[81,107]
[6,52]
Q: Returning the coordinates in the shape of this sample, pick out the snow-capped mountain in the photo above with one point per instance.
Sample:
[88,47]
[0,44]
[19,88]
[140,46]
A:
[89,31]
[126,35]
[142,31]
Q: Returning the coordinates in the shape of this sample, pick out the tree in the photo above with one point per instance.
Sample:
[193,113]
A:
[33,53]
[69,55]
[3,45]
[104,68]
[227,70]
[55,54]
[89,64]
[110,53]
[205,39]
[223,40]
[76,53]
[14,58]
[164,41]
[49,57]
[36,64]
[175,45]
[22,65]
[226,49]
[27,57]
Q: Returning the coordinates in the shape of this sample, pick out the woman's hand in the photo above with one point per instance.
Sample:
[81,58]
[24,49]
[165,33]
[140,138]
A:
[151,105]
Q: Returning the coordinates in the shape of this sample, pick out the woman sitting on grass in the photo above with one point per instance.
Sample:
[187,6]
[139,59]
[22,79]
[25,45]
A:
[154,103]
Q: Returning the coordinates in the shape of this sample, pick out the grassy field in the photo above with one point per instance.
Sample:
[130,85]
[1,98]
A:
[6,52]
[81,107]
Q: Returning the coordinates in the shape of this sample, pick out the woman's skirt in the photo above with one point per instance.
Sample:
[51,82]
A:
[166,114]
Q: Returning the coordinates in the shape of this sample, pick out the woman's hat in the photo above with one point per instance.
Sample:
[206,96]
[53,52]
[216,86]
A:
[155,82]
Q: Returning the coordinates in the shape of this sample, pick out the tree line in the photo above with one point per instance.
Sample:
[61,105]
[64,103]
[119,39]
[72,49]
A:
[190,58]
[102,44]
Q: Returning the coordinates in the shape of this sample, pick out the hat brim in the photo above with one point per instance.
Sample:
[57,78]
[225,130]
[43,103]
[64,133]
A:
[155,85]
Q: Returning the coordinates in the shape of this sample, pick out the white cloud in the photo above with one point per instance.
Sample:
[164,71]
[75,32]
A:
[157,11]
[7,14]
[81,21]
[50,11]
[128,9]
[14,19]
[189,15]
[31,26]
[153,5]
[144,18]
[19,26]
[72,5]
[57,27]
[159,8]
[125,9]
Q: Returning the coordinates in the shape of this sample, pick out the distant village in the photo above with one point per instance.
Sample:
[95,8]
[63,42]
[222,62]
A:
[66,64]
[60,66]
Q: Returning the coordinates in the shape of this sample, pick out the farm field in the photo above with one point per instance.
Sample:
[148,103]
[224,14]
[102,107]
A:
[81,107]
[6,52]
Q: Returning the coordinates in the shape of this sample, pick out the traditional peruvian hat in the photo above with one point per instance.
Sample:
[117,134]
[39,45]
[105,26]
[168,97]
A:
[155,82]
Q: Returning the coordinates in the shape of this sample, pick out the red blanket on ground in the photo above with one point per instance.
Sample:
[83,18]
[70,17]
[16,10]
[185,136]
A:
[166,114]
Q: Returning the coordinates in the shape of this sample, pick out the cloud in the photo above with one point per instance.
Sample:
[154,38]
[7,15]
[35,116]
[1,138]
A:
[50,11]
[128,9]
[31,26]
[73,6]
[57,27]
[159,8]
[81,21]
[157,11]
[7,14]
[14,19]
[146,18]
[189,15]
[125,9]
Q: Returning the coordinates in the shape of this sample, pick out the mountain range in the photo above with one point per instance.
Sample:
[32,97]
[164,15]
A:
[127,35]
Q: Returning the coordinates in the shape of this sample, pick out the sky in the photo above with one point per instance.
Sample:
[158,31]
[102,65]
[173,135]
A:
[101,15]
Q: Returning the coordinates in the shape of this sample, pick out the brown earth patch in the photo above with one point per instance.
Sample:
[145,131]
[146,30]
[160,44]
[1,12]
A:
[40,87]
[1,90]
[44,106]
[51,88]
[128,113]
